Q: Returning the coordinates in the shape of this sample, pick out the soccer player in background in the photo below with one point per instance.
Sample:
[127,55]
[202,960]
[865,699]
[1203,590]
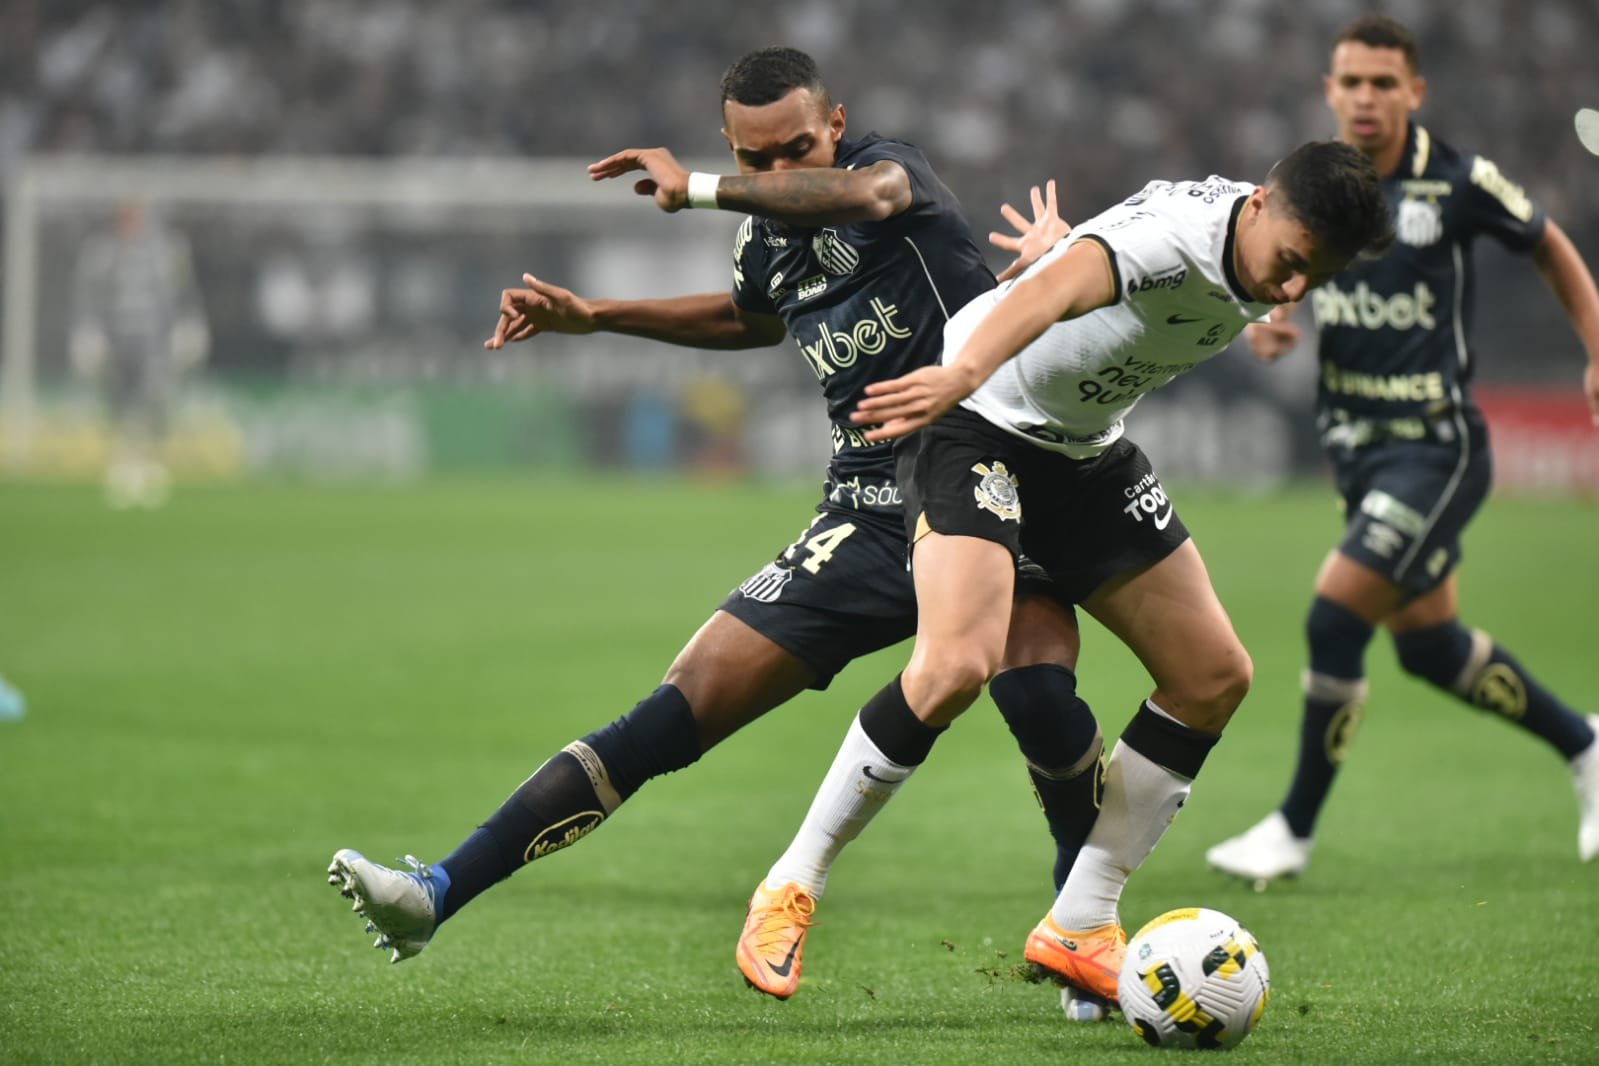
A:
[1409,447]
[856,250]
[138,325]
[1033,460]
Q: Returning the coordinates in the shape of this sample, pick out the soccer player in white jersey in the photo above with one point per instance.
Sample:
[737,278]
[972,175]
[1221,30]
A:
[1034,460]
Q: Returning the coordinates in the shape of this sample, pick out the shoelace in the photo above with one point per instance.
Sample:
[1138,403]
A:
[792,908]
[418,867]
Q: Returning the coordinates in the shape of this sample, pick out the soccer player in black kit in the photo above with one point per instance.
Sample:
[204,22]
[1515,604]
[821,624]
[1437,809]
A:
[1409,447]
[856,250]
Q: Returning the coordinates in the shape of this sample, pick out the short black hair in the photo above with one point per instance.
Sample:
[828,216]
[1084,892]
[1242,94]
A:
[766,75]
[1335,192]
[1380,31]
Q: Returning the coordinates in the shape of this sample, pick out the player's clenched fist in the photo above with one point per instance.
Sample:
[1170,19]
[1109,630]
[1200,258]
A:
[667,181]
[1272,340]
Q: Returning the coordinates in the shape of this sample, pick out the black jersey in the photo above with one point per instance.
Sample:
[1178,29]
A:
[865,302]
[1394,345]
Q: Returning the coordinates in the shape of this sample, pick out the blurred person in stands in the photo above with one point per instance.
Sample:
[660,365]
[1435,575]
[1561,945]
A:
[1409,447]
[137,326]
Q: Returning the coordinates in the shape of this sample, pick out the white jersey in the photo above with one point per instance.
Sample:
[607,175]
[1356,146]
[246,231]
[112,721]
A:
[1178,302]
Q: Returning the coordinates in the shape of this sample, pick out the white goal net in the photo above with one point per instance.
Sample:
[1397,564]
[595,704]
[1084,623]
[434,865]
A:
[347,301]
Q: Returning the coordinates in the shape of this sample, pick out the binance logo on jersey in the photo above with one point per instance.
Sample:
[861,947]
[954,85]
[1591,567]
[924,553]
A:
[1364,309]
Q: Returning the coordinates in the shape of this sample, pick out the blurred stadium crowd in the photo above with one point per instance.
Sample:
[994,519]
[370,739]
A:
[1100,94]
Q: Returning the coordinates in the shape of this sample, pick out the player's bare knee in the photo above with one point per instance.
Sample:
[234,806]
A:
[1209,698]
[952,680]
[720,705]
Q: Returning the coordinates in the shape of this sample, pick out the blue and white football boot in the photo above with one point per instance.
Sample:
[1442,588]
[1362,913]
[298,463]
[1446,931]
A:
[401,906]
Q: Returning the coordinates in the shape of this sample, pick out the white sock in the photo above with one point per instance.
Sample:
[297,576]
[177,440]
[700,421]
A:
[1141,799]
[860,781]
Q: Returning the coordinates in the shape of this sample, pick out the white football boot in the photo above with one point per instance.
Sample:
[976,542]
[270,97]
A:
[1264,852]
[401,906]
[1585,776]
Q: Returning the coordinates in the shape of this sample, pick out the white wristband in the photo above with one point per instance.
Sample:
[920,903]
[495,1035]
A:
[702,189]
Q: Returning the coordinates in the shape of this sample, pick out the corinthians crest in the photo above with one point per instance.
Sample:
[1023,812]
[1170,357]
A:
[996,492]
[835,256]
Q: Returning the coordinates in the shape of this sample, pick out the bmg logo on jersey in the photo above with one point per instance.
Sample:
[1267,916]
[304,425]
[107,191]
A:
[1365,309]
[1169,279]
[835,349]
[1146,497]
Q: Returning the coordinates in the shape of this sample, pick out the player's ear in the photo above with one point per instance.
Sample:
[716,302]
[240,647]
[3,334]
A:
[835,123]
[1258,199]
[1418,91]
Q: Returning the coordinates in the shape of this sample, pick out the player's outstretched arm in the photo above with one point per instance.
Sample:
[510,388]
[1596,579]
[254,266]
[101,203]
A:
[1565,272]
[810,196]
[707,320]
[1078,282]
[1031,239]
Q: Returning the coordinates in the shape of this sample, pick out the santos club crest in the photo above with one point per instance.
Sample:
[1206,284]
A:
[996,492]
[835,256]
[1420,223]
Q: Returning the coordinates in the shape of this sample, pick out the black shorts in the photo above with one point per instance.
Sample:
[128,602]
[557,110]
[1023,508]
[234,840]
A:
[841,591]
[1407,502]
[1083,521]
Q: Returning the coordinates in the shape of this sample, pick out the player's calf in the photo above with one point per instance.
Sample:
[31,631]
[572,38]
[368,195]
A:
[1474,667]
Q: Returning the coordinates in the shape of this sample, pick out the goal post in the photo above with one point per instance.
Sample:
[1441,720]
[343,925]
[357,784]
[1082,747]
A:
[332,270]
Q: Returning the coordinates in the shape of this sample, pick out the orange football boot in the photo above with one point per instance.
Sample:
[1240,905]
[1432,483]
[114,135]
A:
[773,938]
[1091,960]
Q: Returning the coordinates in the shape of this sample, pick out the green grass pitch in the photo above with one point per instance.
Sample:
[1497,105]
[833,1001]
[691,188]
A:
[224,692]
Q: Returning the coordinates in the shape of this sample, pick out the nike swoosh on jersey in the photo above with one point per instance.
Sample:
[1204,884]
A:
[867,770]
[1164,520]
[788,962]
[1181,320]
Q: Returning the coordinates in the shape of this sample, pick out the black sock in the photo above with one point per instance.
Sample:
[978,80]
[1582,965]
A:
[1335,694]
[1332,714]
[1471,666]
[888,721]
[572,793]
[1060,739]
[1168,743]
